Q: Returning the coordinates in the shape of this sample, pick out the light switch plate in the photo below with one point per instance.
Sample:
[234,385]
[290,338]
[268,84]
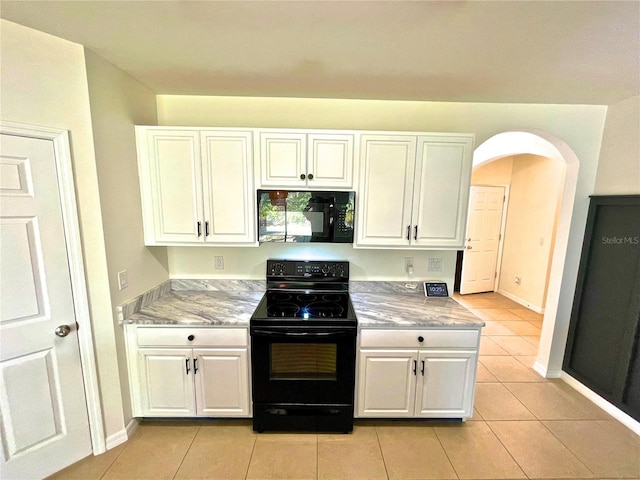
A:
[123,279]
[435,265]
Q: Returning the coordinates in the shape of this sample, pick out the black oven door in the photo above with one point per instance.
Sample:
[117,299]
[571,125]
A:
[310,366]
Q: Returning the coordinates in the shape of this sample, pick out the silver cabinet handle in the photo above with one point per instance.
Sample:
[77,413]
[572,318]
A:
[62,330]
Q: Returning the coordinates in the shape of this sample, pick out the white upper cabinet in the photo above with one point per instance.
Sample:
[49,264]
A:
[413,190]
[306,160]
[229,196]
[196,186]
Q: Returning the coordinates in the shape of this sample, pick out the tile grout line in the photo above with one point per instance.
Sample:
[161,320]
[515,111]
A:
[435,432]
[253,449]
[186,452]
[567,447]
[114,460]
[386,472]
[506,449]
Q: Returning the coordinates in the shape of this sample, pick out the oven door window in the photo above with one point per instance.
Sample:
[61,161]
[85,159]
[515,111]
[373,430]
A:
[303,361]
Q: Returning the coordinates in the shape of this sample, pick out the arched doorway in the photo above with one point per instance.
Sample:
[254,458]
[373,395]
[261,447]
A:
[542,144]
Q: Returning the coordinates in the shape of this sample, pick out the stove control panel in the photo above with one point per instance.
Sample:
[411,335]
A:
[308,269]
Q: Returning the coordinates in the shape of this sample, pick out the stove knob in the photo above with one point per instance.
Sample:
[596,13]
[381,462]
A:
[277,269]
[325,269]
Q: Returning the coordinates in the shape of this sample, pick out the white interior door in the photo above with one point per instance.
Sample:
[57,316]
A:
[483,240]
[44,425]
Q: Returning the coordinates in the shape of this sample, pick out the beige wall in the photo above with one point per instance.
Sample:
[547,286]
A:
[44,83]
[535,187]
[365,264]
[534,195]
[579,126]
[496,173]
[118,102]
[619,166]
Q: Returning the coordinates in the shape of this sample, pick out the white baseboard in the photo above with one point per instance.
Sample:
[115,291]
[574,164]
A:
[540,368]
[132,427]
[612,410]
[521,301]
[123,435]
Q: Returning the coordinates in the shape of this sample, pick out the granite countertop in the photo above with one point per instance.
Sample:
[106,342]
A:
[212,304]
[196,307]
[385,310]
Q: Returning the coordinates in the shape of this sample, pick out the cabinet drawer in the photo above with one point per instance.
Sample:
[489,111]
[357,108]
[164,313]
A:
[409,338]
[179,337]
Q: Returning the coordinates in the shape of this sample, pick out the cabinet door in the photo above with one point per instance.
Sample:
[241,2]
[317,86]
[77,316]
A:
[445,384]
[330,161]
[283,159]
[387,382]
[170,184]
[222,384]
[441,192]
[229,198]
[166,382]
[387,165]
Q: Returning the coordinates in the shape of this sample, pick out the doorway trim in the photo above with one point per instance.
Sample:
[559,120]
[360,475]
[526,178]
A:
[540,143]
[62,151]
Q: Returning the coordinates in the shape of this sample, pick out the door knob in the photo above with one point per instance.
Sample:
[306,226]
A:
[63,330]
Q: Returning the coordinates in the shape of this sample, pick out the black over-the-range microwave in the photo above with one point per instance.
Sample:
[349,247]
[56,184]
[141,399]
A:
[305,216]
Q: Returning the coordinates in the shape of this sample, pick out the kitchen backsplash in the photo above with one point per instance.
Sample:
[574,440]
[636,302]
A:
[219,285]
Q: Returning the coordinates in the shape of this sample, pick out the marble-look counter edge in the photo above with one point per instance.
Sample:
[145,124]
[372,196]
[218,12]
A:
[234,308]
[375,310]
[199,308]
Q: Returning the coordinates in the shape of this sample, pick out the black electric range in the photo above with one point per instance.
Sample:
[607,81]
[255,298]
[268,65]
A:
[303,346]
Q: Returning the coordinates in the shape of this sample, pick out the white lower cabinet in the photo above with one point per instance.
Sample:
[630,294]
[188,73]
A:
[169,377]
[410,373]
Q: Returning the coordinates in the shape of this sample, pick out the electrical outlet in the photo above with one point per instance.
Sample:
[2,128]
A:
[408,265]
[435,265]
[219,262]
[123,279]
[518,280]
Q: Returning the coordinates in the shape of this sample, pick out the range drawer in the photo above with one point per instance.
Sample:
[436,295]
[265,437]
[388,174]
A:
[201,337]
[411,338]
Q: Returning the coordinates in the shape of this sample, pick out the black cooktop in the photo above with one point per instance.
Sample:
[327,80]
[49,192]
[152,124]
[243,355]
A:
[306,293]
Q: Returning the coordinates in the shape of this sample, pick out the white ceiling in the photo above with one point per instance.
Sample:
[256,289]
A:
[579,52]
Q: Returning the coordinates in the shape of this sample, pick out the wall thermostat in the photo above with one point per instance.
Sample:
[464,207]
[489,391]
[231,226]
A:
[435,289]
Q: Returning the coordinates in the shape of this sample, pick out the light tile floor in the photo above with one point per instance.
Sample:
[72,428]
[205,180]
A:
[524,426]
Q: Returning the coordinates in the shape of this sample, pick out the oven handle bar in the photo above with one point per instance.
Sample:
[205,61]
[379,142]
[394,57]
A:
[306,333]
